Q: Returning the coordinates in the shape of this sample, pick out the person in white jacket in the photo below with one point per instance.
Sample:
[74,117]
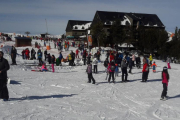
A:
[95,62]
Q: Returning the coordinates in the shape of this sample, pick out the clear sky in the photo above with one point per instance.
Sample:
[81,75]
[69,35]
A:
[20,16]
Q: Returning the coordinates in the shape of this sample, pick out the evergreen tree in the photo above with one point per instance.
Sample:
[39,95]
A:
[98,33]
[117,32]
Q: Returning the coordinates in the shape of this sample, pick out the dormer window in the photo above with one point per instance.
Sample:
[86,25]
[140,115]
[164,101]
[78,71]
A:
[76,27]
[82,27]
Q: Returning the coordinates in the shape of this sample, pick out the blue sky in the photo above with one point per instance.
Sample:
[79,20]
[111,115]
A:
[20,16]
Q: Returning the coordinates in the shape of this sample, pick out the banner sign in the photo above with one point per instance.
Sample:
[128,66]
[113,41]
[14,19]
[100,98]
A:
[89,40]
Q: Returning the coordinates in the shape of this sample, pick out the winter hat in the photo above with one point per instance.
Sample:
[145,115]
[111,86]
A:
[164,68]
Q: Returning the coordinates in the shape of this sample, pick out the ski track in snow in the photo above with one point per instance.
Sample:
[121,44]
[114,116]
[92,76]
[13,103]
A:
[66,95]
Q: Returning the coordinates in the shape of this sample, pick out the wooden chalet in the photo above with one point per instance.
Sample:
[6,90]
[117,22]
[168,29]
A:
[22,41]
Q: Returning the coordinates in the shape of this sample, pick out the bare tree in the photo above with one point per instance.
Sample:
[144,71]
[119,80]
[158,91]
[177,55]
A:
[27,33]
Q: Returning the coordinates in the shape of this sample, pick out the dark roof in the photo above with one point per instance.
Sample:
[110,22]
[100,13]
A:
[107,15]
[23,38]
[143,18]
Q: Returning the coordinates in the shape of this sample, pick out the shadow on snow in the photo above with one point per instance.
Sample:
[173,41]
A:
[41,97]
[15,82]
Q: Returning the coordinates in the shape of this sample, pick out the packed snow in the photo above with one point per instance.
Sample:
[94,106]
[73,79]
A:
[66,95]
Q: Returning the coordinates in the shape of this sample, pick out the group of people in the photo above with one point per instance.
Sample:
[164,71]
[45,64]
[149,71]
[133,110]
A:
[112,65]
[113,61]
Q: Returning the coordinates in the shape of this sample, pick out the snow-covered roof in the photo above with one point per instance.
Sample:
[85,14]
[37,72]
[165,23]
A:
[122,22]
[125,45]
[82,27]
[125,20]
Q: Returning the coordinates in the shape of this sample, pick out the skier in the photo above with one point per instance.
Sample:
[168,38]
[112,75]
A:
[130,64]
[124,70]
[165,80]
[154,66]
[45,54]
[4,67]
[133,59]
[13,55]
[73,58]
[111,57]
[49,58]
[111,69]
[23,52]
[138,62]
[43,68]
[150,59]
[89,72]
[60,58]
[27,53]
[70,59]
[116,70]
[52,62]
[39,53]
[77,53]
[145,70]
[168,62]
[84,56]
[95,62]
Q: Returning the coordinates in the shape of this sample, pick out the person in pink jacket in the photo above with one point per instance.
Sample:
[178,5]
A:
[43,68]
[165,80]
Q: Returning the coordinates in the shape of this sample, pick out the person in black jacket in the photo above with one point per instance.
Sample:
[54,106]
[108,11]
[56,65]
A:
[130,64]
[45,54]
[124,70]
[13,55]
[52,62]
[4,67]
[138,62]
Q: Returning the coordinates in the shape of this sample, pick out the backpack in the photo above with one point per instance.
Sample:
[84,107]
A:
[112,67]
[70,58]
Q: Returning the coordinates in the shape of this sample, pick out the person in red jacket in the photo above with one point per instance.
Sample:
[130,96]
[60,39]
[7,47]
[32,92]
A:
[111,57]
[111,69]
[145,71]
[77,53]
[165,80]
[27,53]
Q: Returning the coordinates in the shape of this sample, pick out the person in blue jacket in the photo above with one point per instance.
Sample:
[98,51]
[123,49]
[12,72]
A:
[116,70]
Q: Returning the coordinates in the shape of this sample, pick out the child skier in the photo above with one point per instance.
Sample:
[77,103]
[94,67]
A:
[154,66]
[43,68]
[89,72]
[116,70]
[165,80]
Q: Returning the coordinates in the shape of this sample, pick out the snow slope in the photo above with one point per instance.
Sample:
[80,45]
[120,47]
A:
[66,95]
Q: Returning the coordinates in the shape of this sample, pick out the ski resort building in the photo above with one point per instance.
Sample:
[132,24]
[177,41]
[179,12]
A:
[77,29]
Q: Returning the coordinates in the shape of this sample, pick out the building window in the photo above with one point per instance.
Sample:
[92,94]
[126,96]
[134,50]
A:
[82,33]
